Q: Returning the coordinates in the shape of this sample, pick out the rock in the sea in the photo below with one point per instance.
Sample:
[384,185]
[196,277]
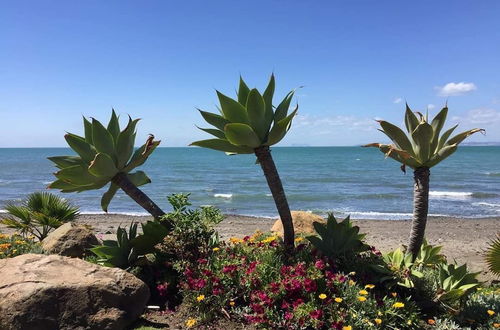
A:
[40,292]
[302,223]
[70,240]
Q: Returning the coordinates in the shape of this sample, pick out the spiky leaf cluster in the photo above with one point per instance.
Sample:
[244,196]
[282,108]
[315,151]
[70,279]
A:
[493,256]
[422,146]
[102,153]
[249,122]
[336,239]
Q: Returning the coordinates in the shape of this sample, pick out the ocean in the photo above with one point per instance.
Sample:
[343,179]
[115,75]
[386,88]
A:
[344,180]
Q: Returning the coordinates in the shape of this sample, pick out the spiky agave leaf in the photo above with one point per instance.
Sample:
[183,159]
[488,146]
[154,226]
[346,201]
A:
[492,256]
[422,146]
[248,122]
[102,154]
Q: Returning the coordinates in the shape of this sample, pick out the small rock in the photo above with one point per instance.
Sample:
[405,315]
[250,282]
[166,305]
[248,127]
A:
[70,240]
[302,223]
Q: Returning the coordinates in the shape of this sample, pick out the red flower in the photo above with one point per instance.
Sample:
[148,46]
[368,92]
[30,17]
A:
[310,285]
[288,316]
[297,303]
[319,264]
[316,314]
[251,267]
[229,269]
[257,308]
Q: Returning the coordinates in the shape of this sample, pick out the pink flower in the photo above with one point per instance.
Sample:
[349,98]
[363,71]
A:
[316,314]
[288,316]
[229,269]
[162,289]
[297,303]
[319,264]
[251,267]
[257,308]
[310,285]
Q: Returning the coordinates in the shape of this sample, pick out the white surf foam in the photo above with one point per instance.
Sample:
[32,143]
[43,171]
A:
[450,194]
[135,214]
[223,196]
[487,204]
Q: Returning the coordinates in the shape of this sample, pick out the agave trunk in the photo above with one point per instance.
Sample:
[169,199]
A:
[122,181]
[274,182]
[420,208]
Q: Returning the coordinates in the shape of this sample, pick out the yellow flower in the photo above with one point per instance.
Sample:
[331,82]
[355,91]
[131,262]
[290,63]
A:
[299,239]
[394,294]
[5,246]
[347,328]
[19,242]
[362,299]
[339,300]
[322,296]
[269,239]
[235,240]
[369,286]
[200,297]
[351,282]
[398,305]
[231,303]
[215,249]
[352,273]
[490,312]
[379,313]
[363,292]
[4,236]
[190,323]
[378,321]
[409,322]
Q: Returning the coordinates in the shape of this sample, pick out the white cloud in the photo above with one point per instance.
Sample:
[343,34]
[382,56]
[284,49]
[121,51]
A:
[397,100]
[485,117]
[453,89]
[430,106]
[321,124]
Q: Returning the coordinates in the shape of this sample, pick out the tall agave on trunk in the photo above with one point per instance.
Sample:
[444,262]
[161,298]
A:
[420,150]
[249,125]
[106,155]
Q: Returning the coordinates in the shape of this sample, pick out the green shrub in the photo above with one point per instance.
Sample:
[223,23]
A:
[15,245]
[38,214]
[482,308]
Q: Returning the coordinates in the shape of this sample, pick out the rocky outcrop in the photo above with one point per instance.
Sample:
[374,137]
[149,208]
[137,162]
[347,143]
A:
[302,223]
[70,240]
[54,292]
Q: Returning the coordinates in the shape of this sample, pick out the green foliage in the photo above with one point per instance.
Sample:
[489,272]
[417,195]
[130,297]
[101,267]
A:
[338,239]
[193,235]
[493,256]
[129,248]
[455,282]
[476,307]
[249,122]
[38,214]
[102,153]
[15,245]
[429,255]
[422,146]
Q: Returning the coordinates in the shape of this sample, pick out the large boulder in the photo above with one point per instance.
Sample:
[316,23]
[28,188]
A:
[43,292]
[70,240]
[302,223]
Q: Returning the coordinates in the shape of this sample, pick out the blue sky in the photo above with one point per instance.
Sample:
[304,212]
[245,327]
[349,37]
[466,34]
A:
[159,60]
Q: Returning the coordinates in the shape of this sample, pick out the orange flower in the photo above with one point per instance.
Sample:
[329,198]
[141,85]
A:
[431,321]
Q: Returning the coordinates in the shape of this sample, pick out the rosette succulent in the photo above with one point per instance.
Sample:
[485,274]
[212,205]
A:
[250,124]
[105,155]
[422,148]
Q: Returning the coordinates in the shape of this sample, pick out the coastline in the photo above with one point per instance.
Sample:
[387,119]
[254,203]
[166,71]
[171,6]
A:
[463,239]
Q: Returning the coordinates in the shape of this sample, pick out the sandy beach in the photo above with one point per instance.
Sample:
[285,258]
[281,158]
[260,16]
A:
[462,239]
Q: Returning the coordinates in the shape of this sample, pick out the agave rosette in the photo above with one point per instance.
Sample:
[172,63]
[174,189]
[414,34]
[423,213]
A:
[102,153]
[423,146]
[249,122]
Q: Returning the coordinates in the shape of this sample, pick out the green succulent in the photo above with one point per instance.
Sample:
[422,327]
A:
[249,122]
[102,153]
[455,282]
[429,255]
[422,145]
[493,256]
[129,247]
[337,239]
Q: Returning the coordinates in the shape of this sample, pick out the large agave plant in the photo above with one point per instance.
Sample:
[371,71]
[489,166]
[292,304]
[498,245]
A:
[249,125]
[493,256]
[106,155]
[420,149]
